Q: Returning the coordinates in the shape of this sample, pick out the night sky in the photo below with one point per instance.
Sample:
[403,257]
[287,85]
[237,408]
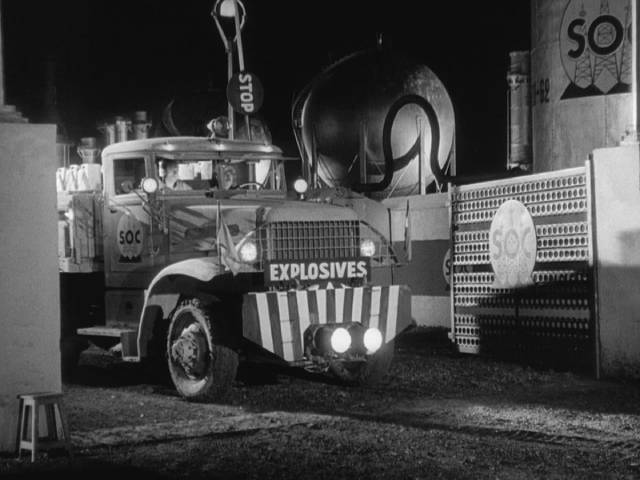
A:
[112,58]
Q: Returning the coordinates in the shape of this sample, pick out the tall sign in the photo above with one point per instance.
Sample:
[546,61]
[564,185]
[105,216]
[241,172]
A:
[596,47]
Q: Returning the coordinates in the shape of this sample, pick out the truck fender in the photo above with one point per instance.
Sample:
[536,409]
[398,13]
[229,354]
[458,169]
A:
[196,277]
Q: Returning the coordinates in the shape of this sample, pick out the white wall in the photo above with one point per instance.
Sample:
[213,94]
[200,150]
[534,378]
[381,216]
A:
[616,173]
[29,284]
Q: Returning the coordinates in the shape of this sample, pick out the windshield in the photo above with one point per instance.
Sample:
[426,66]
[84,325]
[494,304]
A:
[185,174]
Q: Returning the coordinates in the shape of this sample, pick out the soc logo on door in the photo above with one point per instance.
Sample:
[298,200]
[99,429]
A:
[129,238]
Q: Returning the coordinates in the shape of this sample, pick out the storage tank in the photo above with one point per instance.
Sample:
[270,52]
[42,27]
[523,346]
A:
[341,113]
[581,85]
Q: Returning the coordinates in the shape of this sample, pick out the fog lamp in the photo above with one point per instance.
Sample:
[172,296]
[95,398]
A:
[340,340]
[149,185]
[367,247]
[372,340]
[248,252]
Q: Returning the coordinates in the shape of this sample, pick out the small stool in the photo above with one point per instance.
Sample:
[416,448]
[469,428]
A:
[28,424]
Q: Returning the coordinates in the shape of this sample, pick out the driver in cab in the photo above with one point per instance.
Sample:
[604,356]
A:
[168,173]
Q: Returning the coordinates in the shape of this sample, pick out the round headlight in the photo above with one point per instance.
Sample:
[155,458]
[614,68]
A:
[149,185]
[300,186]
[367,247]
[340,340]
[372,340]
[248,252]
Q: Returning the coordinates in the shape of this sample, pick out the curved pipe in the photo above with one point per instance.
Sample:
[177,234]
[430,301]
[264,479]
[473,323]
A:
[436,169]
[426,107]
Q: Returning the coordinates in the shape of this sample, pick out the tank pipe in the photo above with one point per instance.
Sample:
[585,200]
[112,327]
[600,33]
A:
[363,152]
[432,118]
[438,172]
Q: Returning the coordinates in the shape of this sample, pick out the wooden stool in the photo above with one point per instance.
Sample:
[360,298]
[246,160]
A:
[28,424]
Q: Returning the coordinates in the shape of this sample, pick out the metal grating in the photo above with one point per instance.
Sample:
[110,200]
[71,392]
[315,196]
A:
[550,323]
[312,240]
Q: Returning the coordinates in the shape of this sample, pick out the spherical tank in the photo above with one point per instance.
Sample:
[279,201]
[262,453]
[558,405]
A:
[345,109]
[581,79]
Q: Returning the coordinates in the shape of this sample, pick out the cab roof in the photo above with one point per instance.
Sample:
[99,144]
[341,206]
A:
[197,147]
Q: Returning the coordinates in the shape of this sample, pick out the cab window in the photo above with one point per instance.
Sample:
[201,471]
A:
[185,174]
[127,174]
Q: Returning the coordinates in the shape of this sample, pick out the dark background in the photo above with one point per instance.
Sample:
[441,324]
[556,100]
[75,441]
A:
[112,58]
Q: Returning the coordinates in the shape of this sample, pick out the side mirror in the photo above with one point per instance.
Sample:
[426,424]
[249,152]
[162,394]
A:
[149,185]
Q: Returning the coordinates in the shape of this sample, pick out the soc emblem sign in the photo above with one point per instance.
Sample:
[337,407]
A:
[129,237]
[512,245]
[596,47]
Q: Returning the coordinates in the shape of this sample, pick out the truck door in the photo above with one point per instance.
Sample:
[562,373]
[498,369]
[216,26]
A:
[133,244]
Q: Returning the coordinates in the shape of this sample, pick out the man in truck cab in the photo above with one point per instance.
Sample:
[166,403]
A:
[168,173]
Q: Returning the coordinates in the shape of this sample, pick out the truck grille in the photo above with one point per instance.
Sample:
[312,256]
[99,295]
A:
[309,240]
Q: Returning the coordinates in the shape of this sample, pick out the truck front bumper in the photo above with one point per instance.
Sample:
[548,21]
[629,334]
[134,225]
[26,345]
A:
[277,321]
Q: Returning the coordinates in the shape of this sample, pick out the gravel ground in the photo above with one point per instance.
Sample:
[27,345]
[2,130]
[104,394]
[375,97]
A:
[437,414]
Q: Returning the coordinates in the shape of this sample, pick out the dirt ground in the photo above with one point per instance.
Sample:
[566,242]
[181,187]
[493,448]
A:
[438,414]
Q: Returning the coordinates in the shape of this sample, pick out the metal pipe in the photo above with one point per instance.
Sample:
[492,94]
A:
[422,186]
[230,113]
[314,160]
[519,112]
[363,152]
[238,39]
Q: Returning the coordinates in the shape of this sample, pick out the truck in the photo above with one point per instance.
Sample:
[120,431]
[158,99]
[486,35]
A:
[235,267]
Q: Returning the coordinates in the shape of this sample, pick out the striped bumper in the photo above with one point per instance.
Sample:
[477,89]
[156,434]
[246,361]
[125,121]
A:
[277,320]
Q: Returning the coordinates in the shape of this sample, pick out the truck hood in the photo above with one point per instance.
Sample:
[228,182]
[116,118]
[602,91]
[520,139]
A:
[195,225]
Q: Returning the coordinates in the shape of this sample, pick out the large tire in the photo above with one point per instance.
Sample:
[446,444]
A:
[201,367]
[364,373]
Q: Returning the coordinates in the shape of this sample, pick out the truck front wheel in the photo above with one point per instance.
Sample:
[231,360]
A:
[201,367]
[368,372]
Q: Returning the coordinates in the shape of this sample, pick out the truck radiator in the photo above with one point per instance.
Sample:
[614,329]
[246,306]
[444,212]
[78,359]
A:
[312,240]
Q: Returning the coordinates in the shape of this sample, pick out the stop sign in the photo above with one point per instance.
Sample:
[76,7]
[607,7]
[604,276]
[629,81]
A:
[244,92]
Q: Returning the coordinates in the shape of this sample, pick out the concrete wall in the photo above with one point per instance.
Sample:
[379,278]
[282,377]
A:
[616,179]
[425,274]
[29,293]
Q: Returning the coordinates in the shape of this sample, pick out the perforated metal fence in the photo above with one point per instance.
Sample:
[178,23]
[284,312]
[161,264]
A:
[550,322]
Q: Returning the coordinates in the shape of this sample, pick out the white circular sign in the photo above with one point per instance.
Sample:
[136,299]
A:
[593,43]
[512,245]
[129,236]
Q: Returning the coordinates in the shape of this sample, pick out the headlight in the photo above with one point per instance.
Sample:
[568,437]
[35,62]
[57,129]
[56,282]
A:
[340,340]
[372,340]
[367,247]
[300,186]
[248,252]
[149,185]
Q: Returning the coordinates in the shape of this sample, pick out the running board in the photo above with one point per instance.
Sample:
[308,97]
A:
[128,339]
